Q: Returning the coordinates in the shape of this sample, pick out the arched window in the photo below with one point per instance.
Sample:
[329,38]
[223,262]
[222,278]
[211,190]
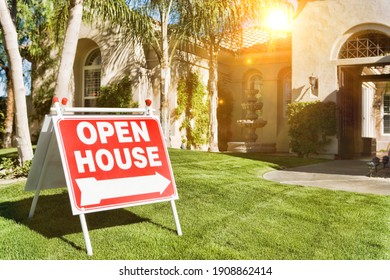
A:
[366,44]
[255,82]
[92,77]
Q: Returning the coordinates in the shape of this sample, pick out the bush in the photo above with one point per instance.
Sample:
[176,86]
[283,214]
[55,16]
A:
[43,99]
[192,102]
[117,95]
[10,168]
[311,124]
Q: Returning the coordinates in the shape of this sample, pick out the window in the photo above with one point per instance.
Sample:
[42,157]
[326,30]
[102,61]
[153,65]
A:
[367,44]
[92,78]
[255,82]
[386,113]
[368,114]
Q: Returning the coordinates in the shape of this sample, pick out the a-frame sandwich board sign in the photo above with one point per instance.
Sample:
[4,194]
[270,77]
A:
[107,162]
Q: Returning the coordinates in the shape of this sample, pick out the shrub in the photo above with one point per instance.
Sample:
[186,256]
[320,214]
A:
[192,102]
[117,95]
[22,170]
[311,124]
[42,100]
[10,168]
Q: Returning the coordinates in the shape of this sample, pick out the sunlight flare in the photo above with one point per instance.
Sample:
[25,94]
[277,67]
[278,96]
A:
[279,20]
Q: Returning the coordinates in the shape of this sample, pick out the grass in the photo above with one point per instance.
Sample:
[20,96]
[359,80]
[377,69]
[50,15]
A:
[9,152]
[226,211]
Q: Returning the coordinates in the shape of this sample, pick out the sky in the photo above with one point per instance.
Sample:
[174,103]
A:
[27,79]
[2,84]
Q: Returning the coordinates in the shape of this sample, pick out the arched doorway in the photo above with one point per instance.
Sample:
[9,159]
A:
[362,74]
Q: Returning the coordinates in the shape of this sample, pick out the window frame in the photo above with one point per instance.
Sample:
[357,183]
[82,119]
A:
[91,64]
[386,94]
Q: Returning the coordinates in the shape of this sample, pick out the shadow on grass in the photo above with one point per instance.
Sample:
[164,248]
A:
[53,216]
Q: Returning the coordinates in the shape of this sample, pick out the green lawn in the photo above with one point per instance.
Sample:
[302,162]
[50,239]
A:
[226,210]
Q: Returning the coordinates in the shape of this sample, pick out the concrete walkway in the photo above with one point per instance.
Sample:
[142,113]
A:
[346,175]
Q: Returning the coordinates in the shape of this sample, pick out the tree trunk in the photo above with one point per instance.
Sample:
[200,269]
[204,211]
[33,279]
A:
[10,112]
[69,51]
[164,84]
[165,73]
[213,92]
[10,40]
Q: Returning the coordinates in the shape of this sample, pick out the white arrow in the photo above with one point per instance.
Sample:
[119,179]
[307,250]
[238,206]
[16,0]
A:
[93,191]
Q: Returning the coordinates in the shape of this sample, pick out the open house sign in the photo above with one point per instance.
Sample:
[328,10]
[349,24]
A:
[113,162]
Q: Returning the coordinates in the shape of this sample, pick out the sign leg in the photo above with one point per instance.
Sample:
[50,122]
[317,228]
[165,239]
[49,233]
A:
[177,222]
[86,234]
[34,202]
[45,142]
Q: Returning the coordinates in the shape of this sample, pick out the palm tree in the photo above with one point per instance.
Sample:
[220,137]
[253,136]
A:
[10,40]
[215,22]
[212,20]
[111,13]
[69,49]
[72,11]
[155,22]
[10,105]
[166,27]
[162,24]
[26,25]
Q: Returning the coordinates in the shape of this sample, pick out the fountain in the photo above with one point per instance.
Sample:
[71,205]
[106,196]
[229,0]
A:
[251,122]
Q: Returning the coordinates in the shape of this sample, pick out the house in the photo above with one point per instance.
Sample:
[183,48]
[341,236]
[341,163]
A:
[338,50]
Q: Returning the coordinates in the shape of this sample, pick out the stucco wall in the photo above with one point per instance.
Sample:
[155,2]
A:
[318,33]
[120,57]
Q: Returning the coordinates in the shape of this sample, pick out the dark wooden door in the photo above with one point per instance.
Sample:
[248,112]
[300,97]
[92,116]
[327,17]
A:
[349,112]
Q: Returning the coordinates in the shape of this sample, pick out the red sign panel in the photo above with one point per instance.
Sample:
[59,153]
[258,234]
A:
[114,161]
